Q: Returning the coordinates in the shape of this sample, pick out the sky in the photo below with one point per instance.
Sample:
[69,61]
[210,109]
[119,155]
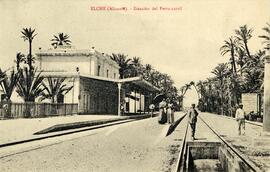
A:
[182,43]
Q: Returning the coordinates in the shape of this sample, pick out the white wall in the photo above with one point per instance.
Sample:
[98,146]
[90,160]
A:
[16,98]
[87,65]
[66,63]
[72,95]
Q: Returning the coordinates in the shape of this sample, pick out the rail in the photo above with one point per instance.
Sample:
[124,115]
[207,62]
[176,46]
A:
[250,164]
[181,160]
[180,167]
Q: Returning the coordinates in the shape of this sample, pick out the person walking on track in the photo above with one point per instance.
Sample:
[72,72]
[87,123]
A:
[240,118]
[192,119]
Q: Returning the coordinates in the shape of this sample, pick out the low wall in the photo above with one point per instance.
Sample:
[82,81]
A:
[230,161]
[35,110]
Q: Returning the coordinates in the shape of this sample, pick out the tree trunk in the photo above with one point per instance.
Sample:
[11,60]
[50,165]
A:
[28,108]
[233,61]
[234,66]
[30,56]
[53,99]
[18,66]
[27,112]
[221,108]
[246,46]
[54,106]
[221,97]
[121,73]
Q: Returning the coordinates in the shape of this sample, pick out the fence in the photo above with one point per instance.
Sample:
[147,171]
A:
[33,110]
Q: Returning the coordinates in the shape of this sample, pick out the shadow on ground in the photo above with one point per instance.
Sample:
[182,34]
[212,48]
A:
[174,125]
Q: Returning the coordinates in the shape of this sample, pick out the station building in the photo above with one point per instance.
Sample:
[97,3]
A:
[94,76]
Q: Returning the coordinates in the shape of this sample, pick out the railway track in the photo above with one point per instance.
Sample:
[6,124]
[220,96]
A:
[180,161]
[183,161]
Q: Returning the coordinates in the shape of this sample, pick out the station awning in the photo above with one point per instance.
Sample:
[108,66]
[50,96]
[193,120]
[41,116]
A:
[139,81]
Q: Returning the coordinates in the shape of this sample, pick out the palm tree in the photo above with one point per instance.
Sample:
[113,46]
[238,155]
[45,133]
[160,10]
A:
[241,60]
[211,96]
[136,61]
[60,39]
[254,72]
[202,91]
[29,85]
[183,91]
[235,89]
[186,88]
[148,70]
[244,34]
[136,66]
[220,72]
[154,78]
[2,75]
[124,63]
[19,59]
[28,34]
[8,83]
[54,88]
[192,83]
[148,67]
[256,59]
[230,46]
[266,37]
[157,78]
[166,83]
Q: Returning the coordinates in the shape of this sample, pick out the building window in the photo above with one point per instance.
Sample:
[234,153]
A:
[98,72]
[107,73]
[114,75]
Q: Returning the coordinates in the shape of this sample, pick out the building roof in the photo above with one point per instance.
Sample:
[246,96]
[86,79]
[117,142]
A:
[75,74]
[139,81]
[73,52]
